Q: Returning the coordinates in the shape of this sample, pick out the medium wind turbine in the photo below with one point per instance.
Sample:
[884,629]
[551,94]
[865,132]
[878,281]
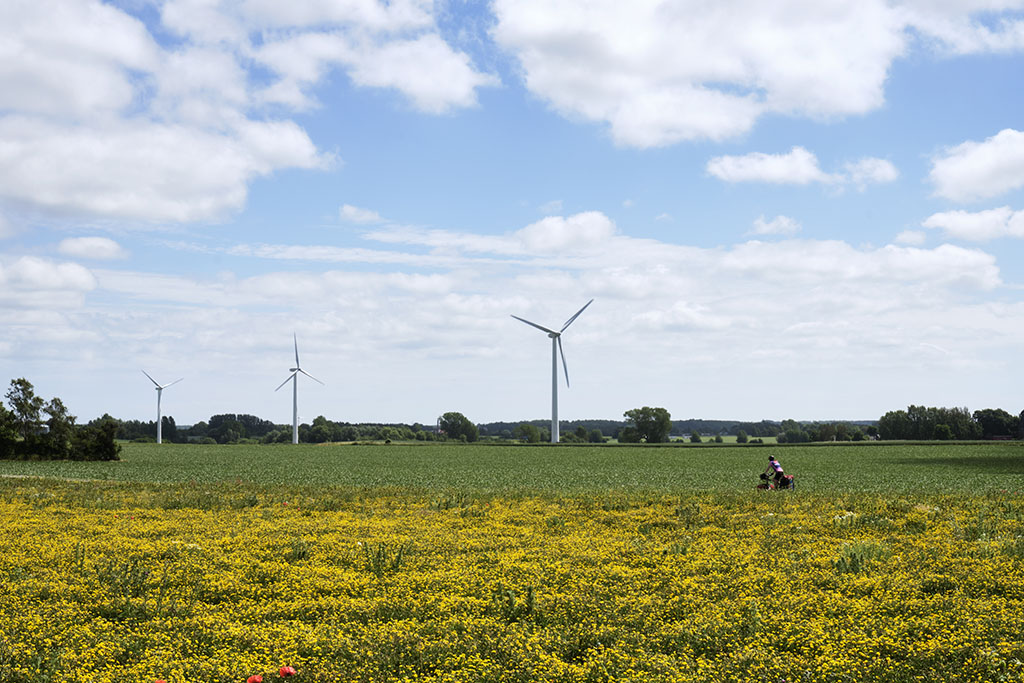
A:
[159,393]
[294,379]
[556,350]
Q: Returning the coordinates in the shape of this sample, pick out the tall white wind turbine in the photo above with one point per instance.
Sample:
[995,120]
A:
[159,393]
[294,379]
[556,350]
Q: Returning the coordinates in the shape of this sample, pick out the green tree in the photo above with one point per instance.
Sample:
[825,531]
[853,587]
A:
[56,443]
[595,436]
[26,407]
[741,436]
[695,436]
[651,425]
[458,427]
[996,422]
[528,433]
[8,433]
[95,441]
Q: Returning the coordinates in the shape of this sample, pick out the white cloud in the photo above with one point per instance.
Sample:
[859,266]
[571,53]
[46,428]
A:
[354,214]
[870,170]
[967,26]
[780,225]
[978,170]
[913,238]
[99,248]
[552,236]
[659,72]
[419,309]
[980,226]
[555,233]
[144,171]
[31,282]
[98,118]
[425,69]
[798,167]
[65,58]
[6,229]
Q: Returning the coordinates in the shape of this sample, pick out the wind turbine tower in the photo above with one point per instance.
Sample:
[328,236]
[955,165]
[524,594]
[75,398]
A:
[294,379]
[159,392]
[556,350]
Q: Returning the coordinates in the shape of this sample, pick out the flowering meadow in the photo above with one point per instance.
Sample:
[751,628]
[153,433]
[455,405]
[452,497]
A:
[107,582]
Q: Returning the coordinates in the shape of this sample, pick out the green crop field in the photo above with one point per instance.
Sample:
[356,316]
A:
[519,469]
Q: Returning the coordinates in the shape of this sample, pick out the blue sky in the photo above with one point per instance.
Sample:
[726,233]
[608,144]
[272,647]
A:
[796,209]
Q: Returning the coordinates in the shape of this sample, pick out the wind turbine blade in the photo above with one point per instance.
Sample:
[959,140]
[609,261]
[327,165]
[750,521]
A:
[564,366]
[151,379]
[309,375]
[287,380]
[172,383]
[296,340]
[539,327]
[569,321]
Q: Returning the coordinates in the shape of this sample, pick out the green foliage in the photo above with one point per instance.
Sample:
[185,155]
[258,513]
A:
[457,426]
[384,558]
[646,424]
[920,423]
[741,436]
[528,433]
[25,435]
[995,422]
[695,437]
[96,442]
[26,408]
[857,557]
[511,606]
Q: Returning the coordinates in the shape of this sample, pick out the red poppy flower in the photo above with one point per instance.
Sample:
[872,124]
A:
[286,671]
[255,678]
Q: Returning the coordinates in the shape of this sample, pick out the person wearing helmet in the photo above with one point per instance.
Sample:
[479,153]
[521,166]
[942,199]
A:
[775,472]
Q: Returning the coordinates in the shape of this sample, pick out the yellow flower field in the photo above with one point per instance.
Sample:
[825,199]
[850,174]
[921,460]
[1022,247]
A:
[217,585]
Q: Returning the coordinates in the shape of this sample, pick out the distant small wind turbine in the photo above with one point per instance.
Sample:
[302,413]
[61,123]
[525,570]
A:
[159,393]
[294,379]
[556,350]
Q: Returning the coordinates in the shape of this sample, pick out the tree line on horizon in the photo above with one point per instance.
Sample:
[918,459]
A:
[32,428]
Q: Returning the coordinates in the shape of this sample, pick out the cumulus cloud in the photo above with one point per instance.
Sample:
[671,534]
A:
[149,171]
[98,117]
[978,170]
[98,248]
[687,307]
[980,226]
[354,214]
[555,233]
[31,282]
[798,167]
[870,170]
[552,235]
[780,225]
[661,72]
